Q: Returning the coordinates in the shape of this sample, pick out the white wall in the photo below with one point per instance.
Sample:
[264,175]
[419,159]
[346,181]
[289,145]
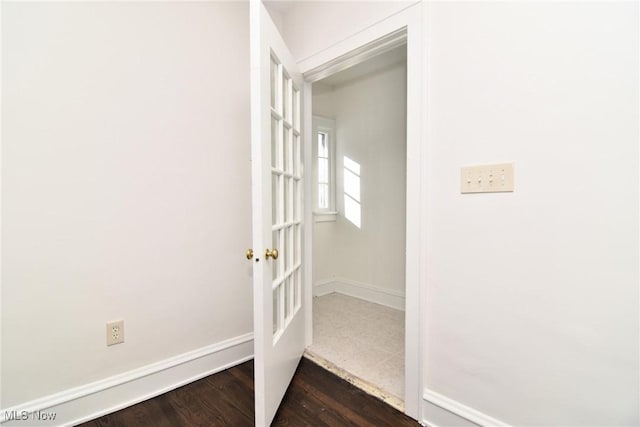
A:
[323,100]
[123,125]
[532,300]
[370,114]
[531,313]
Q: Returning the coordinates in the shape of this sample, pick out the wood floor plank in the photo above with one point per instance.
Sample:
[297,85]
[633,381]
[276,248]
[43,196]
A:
[315,398]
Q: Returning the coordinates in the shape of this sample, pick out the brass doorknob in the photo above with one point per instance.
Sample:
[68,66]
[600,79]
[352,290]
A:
[249,253]
[271,254]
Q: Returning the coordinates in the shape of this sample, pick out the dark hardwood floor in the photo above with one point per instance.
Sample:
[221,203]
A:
[315,397]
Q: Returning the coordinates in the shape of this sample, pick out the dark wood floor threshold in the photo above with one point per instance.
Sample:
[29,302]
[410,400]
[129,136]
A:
[315,397]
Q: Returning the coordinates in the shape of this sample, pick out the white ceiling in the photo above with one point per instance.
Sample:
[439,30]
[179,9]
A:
[281,6]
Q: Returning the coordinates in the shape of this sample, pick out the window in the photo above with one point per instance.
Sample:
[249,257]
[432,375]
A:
[324,169]
[352,209]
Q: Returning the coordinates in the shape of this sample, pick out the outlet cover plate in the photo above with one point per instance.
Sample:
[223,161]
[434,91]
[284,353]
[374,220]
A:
[115,332]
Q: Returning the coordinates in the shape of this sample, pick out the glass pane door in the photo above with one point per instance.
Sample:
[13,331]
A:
[286,178]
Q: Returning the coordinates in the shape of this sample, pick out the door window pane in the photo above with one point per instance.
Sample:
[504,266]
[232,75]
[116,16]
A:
[296,244]
[286,199]
[275,263]
[296,108]
[296,288]
[274,142]
[274,82]
[296,155]
[276,309]
[296,202]
[287,250]
[287,298]
[287,150]
[287,98]
[274,199]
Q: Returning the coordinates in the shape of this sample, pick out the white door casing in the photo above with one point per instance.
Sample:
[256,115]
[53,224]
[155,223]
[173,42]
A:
[277,194]
[405,26]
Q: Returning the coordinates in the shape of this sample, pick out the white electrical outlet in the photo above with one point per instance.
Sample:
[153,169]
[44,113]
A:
[115,332]
[496,178]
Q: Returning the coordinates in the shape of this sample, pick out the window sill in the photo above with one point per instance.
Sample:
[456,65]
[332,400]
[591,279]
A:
[325,216]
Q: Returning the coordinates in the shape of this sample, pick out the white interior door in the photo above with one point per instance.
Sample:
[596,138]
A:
[277,190]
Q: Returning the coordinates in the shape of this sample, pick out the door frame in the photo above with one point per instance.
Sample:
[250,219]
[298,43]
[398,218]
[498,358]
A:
[405,26]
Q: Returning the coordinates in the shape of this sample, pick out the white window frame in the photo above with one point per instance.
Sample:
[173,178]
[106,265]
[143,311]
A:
[327,126]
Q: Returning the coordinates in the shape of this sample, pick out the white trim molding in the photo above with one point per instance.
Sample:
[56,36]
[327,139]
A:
[442,411]
[90,401]
[376,47]
[365,291]
[330,216]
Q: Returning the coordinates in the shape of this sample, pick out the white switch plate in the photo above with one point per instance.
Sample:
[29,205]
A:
[495,178]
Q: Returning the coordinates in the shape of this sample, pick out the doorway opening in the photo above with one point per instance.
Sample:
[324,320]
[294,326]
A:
[359,180]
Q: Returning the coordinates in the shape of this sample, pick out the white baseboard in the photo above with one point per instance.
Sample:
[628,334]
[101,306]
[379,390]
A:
[93,400]
[386,297]
[441,411]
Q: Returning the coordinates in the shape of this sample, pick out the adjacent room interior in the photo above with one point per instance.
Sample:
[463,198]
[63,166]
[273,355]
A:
[359,200]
